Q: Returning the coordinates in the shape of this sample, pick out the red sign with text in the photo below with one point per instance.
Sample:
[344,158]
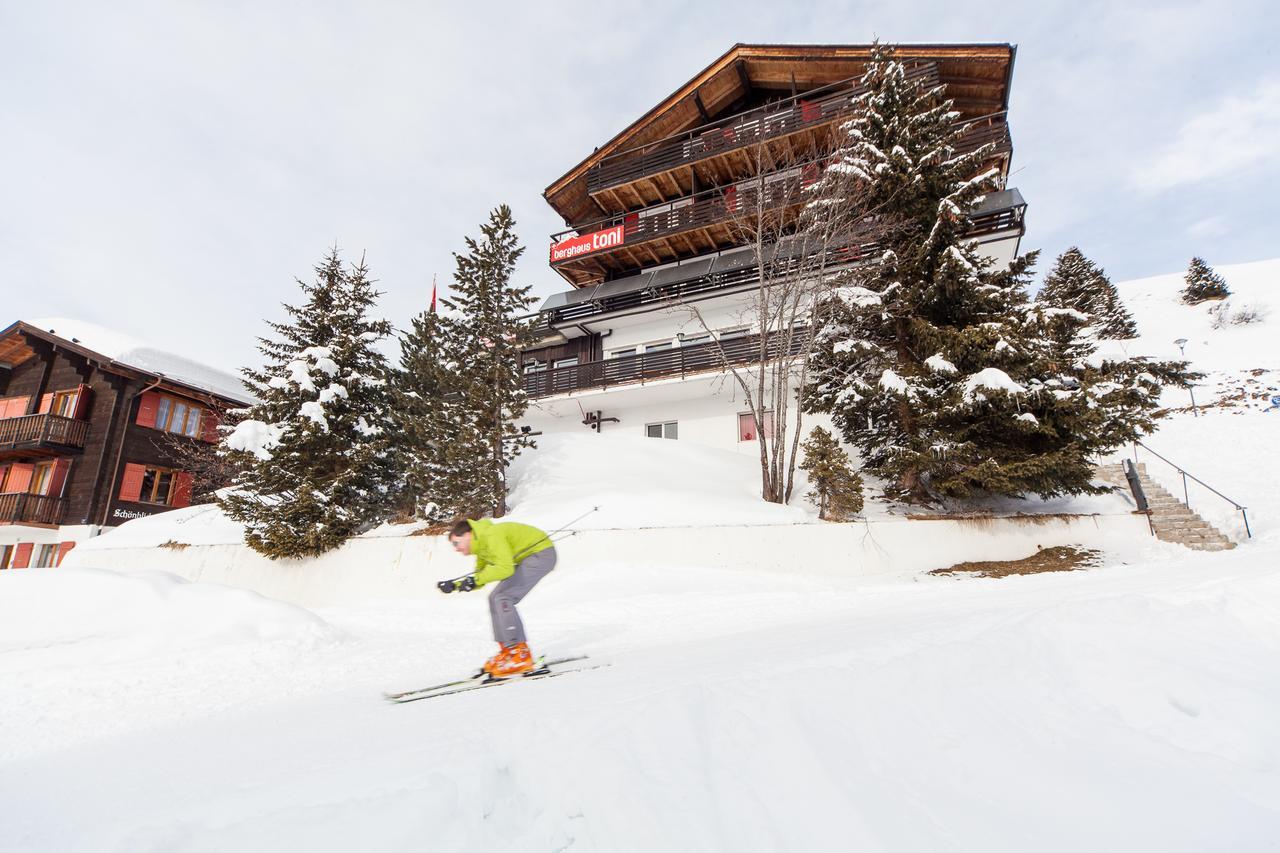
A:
[585,244]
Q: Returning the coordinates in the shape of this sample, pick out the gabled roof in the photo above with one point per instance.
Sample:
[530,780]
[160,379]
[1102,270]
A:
[977,76]
[121,354]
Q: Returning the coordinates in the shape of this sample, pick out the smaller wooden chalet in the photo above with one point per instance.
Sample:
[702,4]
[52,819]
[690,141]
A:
[92,427]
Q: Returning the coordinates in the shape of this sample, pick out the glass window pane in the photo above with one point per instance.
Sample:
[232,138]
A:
[148,485]
[653,431]
[193,422]
[179,418]
[671,430]
[163,482]
[162,414]
[659,347]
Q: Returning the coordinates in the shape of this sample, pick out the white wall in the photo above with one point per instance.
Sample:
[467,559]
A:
[408,567]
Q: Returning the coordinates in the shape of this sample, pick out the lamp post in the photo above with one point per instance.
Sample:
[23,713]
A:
[1182,348]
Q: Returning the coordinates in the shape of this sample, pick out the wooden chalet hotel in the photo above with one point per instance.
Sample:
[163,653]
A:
[89,425]
[649,218]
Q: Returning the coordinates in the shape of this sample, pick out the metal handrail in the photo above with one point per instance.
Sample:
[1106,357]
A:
[1186,497]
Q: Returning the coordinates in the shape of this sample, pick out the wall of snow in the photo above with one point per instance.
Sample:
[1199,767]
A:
[395,567]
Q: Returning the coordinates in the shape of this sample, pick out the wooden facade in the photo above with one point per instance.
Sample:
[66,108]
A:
[655,214]
[75,425]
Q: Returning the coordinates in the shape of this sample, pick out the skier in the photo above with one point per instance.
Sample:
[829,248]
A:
[517,556]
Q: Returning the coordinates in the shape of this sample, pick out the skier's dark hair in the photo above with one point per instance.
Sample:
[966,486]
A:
[461,527]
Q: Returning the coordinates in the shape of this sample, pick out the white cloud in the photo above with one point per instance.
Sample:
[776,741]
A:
[1210,226]
[1231,139]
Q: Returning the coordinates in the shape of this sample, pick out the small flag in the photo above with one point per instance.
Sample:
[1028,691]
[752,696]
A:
[433,293]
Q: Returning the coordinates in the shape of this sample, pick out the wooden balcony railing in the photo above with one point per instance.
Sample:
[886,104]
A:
[23,508]
[773,121]
[716,206]
[680,361]
[41,434]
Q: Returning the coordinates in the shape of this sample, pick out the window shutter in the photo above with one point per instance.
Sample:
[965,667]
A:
[46,403]
[14,407]
[147,409]
[22,555]
[20,477]
[58,479]
[4,470]
[131,483]
[84,396]
[209,426]
[63,549]
[181,490]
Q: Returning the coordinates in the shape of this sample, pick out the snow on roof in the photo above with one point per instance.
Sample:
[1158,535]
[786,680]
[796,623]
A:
[143,356]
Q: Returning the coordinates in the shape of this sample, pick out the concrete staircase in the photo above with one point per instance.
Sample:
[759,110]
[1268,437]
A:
[1172,520]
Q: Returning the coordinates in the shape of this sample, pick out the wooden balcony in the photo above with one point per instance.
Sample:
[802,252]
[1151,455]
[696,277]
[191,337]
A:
[708,222]
[24,508]
[726,151]
[41,435]
[662,170]
[632,369]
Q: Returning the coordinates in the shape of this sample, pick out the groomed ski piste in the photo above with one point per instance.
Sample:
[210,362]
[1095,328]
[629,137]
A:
[1128,706]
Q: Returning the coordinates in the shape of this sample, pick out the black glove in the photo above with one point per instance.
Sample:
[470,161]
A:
[460,585]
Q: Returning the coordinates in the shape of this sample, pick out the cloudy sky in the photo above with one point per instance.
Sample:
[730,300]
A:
[170,168]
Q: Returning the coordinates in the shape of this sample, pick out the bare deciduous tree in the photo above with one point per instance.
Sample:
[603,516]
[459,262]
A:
[807,230]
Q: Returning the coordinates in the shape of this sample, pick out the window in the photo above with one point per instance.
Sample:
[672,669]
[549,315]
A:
[566,362]
[690,340]
[174,415]
[157,486]
[620,353]
[535,366]
[40,478]
[730,334]
[64,403]
[6,556]
[46,556]
[747,426]
[666,430]
[660,346]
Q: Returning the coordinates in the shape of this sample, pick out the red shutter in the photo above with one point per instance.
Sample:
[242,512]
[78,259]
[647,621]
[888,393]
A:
[731,198]
[84,396]
[58,478]
[209,426]
[131,483]
[147,409]
[14,407]
[810,111]
[4,469]
[63,549]
[22,555]
[46,403]
[181,489]
[20,478]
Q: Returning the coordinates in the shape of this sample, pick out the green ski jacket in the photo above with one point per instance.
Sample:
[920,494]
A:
[498,546]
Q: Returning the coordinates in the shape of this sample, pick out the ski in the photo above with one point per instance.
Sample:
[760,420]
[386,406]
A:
[482,679]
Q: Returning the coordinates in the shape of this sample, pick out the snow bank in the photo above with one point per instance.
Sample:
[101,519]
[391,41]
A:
[112,617]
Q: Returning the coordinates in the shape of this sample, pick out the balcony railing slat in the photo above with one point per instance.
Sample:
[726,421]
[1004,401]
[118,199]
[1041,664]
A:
[24,508]
[34,431]
[701,143]
[678,361]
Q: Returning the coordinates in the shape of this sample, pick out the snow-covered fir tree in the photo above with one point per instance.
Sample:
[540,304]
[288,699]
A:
[317,466]
[836,487]
[1077,282]
[484,341]
[931,361]
[1203,283]
[438,464]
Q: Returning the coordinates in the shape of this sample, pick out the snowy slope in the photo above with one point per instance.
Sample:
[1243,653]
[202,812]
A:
[1128,707]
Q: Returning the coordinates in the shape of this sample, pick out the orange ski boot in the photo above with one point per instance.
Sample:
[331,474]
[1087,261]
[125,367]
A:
[496,659]
[518,659]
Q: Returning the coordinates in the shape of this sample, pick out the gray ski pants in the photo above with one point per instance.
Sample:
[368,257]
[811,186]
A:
[507,627]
